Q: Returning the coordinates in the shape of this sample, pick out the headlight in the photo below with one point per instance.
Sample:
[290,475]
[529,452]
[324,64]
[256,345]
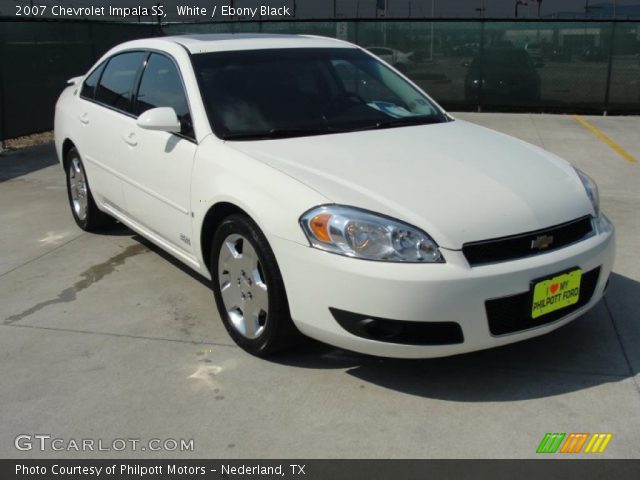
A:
[360,234]
[591,189]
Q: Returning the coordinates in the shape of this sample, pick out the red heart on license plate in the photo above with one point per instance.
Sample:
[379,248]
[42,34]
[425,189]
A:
[554,288]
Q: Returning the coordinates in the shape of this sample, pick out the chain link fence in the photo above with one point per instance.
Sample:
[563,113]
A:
[37,59]
[529,66]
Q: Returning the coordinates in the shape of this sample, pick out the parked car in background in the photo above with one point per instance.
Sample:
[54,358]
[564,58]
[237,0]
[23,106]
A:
[559,54]
[593,54]
[462,49]
[502,76]
[321,192]
[534,50]
[400,60]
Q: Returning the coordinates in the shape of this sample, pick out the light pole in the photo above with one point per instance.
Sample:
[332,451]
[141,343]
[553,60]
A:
[432,15]
[588,8]
[518,3]
[382,5]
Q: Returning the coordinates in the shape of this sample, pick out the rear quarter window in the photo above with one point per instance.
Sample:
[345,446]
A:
[91,82]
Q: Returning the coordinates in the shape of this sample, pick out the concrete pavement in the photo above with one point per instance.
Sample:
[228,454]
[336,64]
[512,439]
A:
[106,337]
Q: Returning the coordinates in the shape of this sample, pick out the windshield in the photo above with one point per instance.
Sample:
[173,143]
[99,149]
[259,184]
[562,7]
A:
[280,93]
[508,59]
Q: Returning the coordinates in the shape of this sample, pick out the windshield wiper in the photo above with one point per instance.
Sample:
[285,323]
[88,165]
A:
[290,132]
[279,133]
[398,122]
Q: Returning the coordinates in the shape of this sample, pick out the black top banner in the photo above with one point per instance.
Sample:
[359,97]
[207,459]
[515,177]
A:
[229,10]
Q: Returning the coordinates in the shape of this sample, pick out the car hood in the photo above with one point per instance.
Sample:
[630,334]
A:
[457,181]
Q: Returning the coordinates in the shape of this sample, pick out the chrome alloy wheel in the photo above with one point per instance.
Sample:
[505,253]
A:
[78,188]
[242,286]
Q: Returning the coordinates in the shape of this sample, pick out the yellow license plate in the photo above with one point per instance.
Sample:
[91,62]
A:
[555,293]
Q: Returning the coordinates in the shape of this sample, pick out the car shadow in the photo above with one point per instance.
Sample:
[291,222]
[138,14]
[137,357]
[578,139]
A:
[583,354]
[595,349]
[117,230]
[168,257]
[15,163]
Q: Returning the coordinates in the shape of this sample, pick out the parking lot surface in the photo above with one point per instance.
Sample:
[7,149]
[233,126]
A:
[106,337]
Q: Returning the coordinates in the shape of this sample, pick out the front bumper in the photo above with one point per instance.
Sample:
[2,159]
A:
[449,292]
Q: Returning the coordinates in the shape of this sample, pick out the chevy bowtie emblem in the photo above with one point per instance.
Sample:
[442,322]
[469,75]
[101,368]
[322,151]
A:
[541,242]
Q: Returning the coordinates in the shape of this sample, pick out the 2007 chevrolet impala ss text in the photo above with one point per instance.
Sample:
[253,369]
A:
[323,192]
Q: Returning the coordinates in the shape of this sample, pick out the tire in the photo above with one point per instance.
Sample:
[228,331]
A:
[83,207]
[248,288]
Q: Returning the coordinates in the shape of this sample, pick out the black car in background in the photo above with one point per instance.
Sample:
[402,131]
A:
[593,54]
[502,76]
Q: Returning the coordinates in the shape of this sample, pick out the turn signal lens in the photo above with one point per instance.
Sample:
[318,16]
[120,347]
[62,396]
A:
[319,225]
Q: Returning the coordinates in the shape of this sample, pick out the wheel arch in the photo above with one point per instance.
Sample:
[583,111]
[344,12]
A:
[212,219]
[67,145]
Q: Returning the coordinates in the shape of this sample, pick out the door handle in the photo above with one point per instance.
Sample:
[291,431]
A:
[130,138]
[84,118]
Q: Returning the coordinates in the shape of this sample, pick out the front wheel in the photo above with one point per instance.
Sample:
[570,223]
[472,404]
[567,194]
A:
[248,288]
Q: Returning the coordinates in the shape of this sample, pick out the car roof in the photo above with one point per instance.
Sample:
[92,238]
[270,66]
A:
[216,42]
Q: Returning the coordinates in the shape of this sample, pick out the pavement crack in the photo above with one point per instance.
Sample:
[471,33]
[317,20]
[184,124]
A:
[43,255]
[123,335]
[535,127]
[87,278]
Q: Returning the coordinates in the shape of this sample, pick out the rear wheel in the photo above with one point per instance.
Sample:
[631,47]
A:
[83,207]
[248,288]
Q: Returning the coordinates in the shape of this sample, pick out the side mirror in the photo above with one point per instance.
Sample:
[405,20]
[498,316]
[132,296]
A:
[162,118]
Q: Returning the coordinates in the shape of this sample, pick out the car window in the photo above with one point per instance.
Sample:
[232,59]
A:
[89,85]
[379,51]
[116,84]
[356,81]
[295,92]
[161,86]
[508,59]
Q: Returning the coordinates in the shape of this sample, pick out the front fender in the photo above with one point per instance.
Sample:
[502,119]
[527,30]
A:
[274,200]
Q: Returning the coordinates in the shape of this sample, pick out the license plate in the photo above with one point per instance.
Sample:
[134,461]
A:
[555,293]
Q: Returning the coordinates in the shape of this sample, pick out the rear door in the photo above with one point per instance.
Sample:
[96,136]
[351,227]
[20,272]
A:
[104,108]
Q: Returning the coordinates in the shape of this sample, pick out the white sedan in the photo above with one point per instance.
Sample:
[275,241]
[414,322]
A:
[400,60]
[323,193]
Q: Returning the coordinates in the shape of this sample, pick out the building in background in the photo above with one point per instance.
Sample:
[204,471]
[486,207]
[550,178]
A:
[518,55]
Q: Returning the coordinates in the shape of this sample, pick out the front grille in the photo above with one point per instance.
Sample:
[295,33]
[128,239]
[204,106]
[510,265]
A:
[512,314]
[520,246]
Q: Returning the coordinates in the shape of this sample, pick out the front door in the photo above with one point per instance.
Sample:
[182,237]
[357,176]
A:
[157,165]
